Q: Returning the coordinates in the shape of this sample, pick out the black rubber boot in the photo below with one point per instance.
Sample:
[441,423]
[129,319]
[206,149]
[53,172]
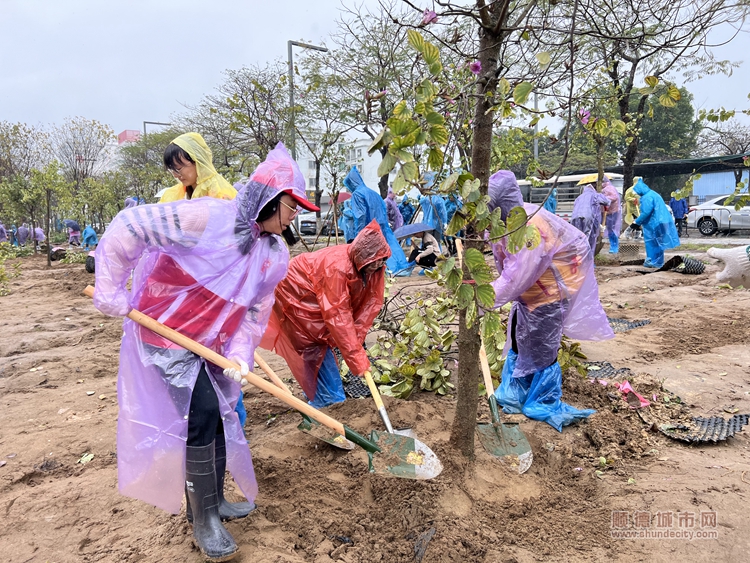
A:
[213,539]
[227,510]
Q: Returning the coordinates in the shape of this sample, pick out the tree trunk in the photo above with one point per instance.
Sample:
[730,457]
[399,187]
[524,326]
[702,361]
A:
[464,423]
[47,230]
[383,182]
[599,163]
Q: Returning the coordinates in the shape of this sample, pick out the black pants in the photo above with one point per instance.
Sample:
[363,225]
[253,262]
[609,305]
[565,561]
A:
[204,419]
[426,262]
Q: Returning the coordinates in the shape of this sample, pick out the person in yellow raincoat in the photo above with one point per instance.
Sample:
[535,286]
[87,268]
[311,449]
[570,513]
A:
[189,160]
[632,210]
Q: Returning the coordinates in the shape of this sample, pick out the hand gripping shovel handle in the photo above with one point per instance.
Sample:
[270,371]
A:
[378,402]
[259,382]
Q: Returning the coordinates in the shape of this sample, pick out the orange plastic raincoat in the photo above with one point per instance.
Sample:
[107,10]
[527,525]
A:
[325,301]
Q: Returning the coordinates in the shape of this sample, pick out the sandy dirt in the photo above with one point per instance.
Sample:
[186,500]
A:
[319,504]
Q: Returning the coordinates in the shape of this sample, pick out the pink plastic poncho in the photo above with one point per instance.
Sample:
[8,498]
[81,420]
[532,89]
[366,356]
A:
[553,285]
[587,213]
[202,268]
[614,209]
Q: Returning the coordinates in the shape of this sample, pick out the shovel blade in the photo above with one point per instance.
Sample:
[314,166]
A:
[317,430]
[403,456]
[507,442]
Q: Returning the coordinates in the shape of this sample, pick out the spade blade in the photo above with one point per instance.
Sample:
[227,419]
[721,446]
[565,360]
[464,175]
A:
[403,456]
[507,442]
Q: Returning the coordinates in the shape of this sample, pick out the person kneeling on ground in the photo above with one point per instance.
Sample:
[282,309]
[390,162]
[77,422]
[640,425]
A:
[328,300]
[554,292]
[425,253]
[208,269]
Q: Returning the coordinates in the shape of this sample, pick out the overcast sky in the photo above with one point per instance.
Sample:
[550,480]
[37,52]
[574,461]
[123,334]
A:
[125,61]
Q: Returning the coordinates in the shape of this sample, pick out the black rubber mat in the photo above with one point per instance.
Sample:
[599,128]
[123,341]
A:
[605,371]
[712,429]
[622,325]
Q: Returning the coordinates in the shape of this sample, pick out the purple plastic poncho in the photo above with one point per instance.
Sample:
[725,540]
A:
[614,209]
[23,234]
[3,233]
[587,213]
[203,268]
[553,286]
[395,219]
[39,235]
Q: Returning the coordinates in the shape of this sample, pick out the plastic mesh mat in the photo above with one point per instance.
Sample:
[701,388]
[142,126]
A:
[622,325]
[605,370]
[355,387]
[712,429]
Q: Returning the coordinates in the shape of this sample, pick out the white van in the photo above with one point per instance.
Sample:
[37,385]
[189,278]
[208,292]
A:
[567,190]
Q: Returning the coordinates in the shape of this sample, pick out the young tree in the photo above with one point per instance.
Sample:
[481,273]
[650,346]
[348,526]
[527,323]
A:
[44,187]
[142,165]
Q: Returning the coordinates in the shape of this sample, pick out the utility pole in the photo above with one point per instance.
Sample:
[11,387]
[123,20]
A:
[290,62]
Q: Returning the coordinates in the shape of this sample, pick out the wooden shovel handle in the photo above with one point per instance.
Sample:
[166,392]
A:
[222,362]
[270,373]
[486,371]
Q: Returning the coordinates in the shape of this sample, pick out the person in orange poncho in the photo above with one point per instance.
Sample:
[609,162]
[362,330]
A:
[329,299]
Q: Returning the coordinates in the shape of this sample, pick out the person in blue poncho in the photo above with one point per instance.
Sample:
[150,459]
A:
[434,214]
[452,204]
[89,237]
[680,211]
[346,221]
[407,210]
[368,205]
[659,232]
[551,203]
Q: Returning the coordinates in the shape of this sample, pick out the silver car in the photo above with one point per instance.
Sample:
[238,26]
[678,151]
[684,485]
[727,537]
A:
[714,216]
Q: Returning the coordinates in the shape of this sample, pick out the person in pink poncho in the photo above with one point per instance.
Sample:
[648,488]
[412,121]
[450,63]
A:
[554,292]
[208,269]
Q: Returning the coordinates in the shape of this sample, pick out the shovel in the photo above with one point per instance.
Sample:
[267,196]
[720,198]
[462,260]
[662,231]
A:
[308,425]
[382,458]
[505,441]
[402,444]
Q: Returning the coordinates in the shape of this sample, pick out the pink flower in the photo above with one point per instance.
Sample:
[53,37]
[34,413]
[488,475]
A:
[584,116]
[429,17]
[475,67]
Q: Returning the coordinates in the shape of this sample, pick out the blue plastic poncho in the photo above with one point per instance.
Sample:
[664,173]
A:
[551,203]
[368,205]
[451,206]
[554,292]
[346,221]
[201,267]
[659,231]
[434,214]
[587,213]
[89,236]
[395,219]
[613,222]
[407,210]
[679,207]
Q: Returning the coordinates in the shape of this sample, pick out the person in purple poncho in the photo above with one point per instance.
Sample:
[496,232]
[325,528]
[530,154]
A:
[39,235]
[207,268]
[3,233]
[613,222]
[554,292]
[395,219]
[23,234]
[587,213]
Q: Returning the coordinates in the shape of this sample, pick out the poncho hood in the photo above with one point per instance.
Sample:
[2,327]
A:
[368,246]
[504,192]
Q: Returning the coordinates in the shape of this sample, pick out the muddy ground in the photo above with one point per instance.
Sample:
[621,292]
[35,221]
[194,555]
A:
[58,366]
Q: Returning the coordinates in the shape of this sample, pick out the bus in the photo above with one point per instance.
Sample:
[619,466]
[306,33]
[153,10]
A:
[567,190]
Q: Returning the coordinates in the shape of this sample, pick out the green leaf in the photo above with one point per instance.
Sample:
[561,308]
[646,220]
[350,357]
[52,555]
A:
[401,110]
[434,118]
[471,314]
[600,127]
[465,295]
[468,188]
[652,81]
[411,171]
[435,158]
[503,87]
[439,134]
[490,324]
[446,186]
[667,101]
[387,164]
[457,222]
[415,40]
[486,295]
[432,58]
[383,139]
[401,127]
[420,108]
[525,35]
[516,218]
[674,92]
[619,126]
[399,182]
[521,92]
[453,279]
[404,156]
[543,58]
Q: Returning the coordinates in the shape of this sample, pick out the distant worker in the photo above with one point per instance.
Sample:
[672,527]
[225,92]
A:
[39,236]
[632,210]
[613,222]
[587,213]
[407,209]
[553,290]
[90,239]
[550,204]
[680,211]
[434,214]
[426,252]
[346,221]
[23,234]
[3,233]
[368,205]
[189,160]
[329,299]
[659,231]
[395,219]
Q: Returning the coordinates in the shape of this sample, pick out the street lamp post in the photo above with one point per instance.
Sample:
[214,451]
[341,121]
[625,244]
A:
[289,45]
